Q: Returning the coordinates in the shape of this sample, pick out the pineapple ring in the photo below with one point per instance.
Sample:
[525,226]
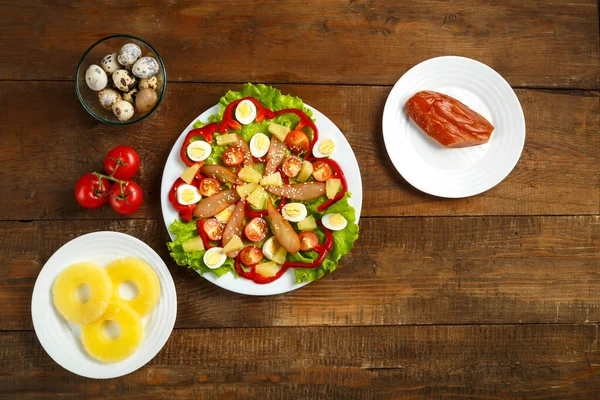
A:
[66,284]
[140,273]
[111,350]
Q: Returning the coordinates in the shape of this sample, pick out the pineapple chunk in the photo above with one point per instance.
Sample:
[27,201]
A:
[280,255]
[249,174]
[112,350]
[234,244]
[189,174]
[307,224]
[272,180]
[305,172]
[245,190]
[258,198]
[194,244]
[279,131]
[267,269]
[332,186]
[66,285]
[229,138]
[143,276]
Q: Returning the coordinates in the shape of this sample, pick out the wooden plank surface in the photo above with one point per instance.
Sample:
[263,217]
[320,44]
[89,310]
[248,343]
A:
[47,145]
[531,43]
[474,362]
[424,271]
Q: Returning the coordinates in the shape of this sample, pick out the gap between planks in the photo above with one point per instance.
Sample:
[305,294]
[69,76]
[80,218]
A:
[343,84]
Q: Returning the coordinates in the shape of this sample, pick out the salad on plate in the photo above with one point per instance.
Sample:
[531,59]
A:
[259,193]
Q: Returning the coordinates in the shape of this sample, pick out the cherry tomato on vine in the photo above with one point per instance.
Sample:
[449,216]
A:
[92,192]
[122,162]
[126,199]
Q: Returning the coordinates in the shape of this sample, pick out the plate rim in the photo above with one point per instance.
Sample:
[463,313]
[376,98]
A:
[387,112]
[107,366]
[164,203]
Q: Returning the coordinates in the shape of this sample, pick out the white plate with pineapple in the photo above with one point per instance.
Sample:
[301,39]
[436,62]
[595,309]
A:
[147,316]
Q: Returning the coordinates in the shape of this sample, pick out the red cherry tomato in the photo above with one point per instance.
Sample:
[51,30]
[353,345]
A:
[213,229]
[297,141]
[251,256]
[257,229]
[209,186]
[91,192]
[233,156]
[292,166]
[308,240]
[321,171]
[122,162]
[126,199]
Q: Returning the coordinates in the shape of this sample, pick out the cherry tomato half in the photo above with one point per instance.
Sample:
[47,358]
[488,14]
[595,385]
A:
[297,141]
[251,256]
[321,171]
[91,192]
[209,186]
[213,229]
[308,240]
[292,166]
[122,162]
[257,229]
[233,156]
[126,199]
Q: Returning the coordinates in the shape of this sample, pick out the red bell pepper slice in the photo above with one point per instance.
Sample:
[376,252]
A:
[304,121]
[185,211]
[321,249]
[203,235]
[253,276]
[206,132]
[337,173]
[229,123]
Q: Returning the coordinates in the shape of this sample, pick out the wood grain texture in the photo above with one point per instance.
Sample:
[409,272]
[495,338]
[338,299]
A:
[423,270]
[474,362]
[531,43]
[45,149]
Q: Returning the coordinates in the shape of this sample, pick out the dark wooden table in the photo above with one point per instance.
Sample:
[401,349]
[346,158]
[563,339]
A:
[494,296]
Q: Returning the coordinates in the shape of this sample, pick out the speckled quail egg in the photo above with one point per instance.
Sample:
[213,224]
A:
[145,67]
[129,54]
[124,80]
[110,64]
[145,100]
[108,97]
[123,110]
[148,83]
[95,77]
[130,96]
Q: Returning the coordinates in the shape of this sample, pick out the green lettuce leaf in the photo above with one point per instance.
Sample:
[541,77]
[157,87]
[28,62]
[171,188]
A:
[342,240]
[194,259]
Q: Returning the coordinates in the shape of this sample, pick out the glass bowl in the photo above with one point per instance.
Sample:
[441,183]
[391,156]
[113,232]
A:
[94,55]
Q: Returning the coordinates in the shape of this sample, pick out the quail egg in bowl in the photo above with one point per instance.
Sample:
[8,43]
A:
[120,68]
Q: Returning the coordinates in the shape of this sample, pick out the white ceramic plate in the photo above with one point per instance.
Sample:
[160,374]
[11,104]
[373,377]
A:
[62,340]
[440,171]
[343,154]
